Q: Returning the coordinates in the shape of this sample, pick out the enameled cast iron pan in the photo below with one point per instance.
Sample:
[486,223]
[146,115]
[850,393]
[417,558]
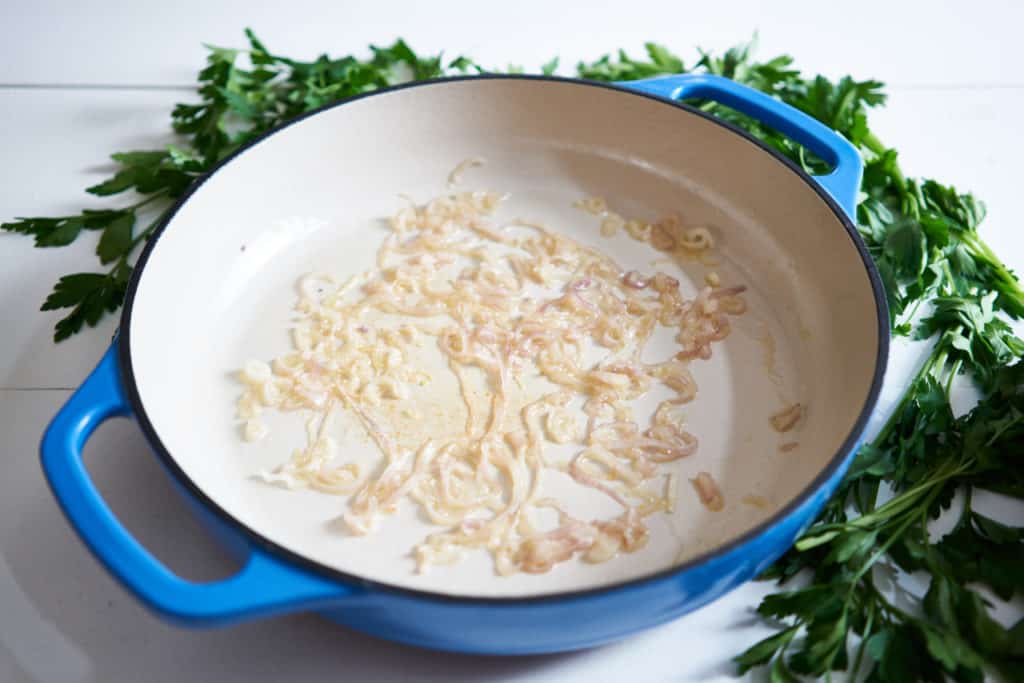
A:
[215,285]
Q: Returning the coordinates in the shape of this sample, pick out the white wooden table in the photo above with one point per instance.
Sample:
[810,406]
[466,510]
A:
[80,80]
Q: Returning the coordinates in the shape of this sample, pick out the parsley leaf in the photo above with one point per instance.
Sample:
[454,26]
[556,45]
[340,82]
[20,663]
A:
[89,296]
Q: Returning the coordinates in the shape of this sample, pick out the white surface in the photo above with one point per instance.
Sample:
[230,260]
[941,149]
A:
[908,43]
[63,618]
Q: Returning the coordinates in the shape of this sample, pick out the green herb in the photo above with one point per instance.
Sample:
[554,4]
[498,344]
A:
[923,237]
[242,94]
[942,281]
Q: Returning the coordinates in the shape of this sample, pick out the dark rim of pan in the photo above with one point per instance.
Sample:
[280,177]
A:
[765,527]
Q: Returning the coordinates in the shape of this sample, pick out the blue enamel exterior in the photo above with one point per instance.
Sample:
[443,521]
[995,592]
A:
[843,183]
[273,582]
[265,585]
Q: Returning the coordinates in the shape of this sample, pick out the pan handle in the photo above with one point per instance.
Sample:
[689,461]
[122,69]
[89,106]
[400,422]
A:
[843,183]
[264,585]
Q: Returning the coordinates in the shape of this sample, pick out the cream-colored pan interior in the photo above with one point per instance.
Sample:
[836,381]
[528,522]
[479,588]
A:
[219,286]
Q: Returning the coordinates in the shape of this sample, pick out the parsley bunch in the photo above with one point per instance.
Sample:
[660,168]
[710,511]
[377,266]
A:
[942,281]
[238,101]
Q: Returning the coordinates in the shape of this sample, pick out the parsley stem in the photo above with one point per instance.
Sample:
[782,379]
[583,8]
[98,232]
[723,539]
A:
[893,537]
[965,511]
[145,234]
[148,200]
[939,476]
[1010,285]
[878,148]
[882,602]
[1003,427]
[865,634]
[901,502]
[937,357]
[953,372]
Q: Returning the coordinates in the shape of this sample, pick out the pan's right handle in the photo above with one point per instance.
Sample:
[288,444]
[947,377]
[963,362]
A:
[265,585]
[843,183]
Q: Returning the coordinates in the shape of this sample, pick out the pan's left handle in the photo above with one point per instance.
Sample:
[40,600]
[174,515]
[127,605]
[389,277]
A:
[264,585]
[843,183]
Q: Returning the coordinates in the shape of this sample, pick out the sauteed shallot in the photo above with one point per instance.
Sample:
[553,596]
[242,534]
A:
[501,304]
